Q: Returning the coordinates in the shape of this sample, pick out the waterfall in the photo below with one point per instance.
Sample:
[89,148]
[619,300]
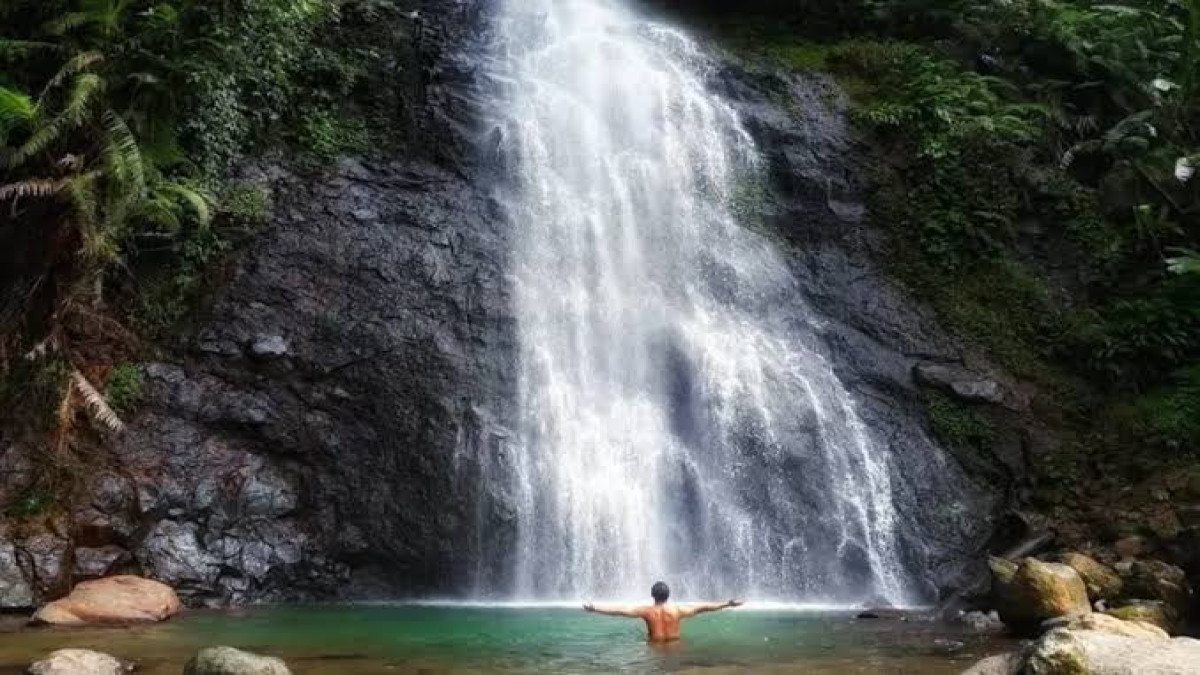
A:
[678,418]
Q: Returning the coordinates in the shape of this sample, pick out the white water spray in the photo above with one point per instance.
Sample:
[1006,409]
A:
[675,422]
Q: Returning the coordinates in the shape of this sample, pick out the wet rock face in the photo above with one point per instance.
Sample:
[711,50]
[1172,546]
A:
[305,443]
[814,202]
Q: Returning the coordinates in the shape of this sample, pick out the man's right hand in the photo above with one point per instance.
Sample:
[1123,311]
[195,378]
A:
[589,607]
[736,603]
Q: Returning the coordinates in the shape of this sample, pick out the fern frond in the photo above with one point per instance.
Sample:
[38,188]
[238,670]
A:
[80,190]
[20,48]
[198,202]
[79,63]
[36,188]
[122,156]
[43,137]
[68,22]
[161,212]
[15,108]
[83,91]
[95,404]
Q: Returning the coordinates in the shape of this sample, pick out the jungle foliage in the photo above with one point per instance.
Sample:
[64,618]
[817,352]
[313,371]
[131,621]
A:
[1039,177]
[120,122]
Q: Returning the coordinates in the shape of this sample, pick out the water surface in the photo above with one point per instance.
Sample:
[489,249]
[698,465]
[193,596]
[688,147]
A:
[440,639]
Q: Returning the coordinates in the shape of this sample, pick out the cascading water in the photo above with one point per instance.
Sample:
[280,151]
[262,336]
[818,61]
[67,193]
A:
[674,422]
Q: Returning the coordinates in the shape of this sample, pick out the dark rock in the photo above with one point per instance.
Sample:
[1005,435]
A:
[98,562]
[961,382]
[44,556]
[16,589]
[1157,580]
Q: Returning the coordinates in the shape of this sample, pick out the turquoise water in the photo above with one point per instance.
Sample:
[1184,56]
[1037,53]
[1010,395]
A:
[438,639]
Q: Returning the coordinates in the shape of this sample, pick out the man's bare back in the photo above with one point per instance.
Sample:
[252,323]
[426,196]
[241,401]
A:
[663,619]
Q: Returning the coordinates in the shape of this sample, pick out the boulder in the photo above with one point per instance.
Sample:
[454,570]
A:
[1112,625]
[1131,547]
[1157,580]
[230,661]
[1067,651]
[1102,582]
[982,622]
[112,600]
[1154,612]
[1001,664]
[1033,591]
[80,662]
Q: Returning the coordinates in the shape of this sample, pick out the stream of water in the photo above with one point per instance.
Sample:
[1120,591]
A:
[675,423]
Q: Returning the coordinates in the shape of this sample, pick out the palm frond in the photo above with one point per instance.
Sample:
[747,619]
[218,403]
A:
[95,404]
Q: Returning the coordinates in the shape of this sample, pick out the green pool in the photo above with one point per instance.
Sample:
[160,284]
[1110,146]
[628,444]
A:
[393,639]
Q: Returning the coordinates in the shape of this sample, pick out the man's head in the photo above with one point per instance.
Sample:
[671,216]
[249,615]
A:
[660,592]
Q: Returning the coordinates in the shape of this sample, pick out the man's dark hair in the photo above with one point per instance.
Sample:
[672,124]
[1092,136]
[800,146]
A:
[660,592]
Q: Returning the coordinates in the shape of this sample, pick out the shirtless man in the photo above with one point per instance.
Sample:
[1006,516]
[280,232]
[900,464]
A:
[663,619]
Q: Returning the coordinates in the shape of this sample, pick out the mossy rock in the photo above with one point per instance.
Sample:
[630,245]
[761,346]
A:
[1153,612]
[1102,582]
[1032,591]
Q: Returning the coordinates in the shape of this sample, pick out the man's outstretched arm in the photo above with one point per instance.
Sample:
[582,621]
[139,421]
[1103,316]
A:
[694,610]
[628,612]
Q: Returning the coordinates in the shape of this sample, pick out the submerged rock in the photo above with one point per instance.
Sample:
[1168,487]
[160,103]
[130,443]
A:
[80,662]
[1033,591]
[982,622]
[113,600]
[1001,664]
[230,661]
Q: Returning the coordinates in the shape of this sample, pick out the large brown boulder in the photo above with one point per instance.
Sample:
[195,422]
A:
[1028,593]
[112,600]
[1102,582]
